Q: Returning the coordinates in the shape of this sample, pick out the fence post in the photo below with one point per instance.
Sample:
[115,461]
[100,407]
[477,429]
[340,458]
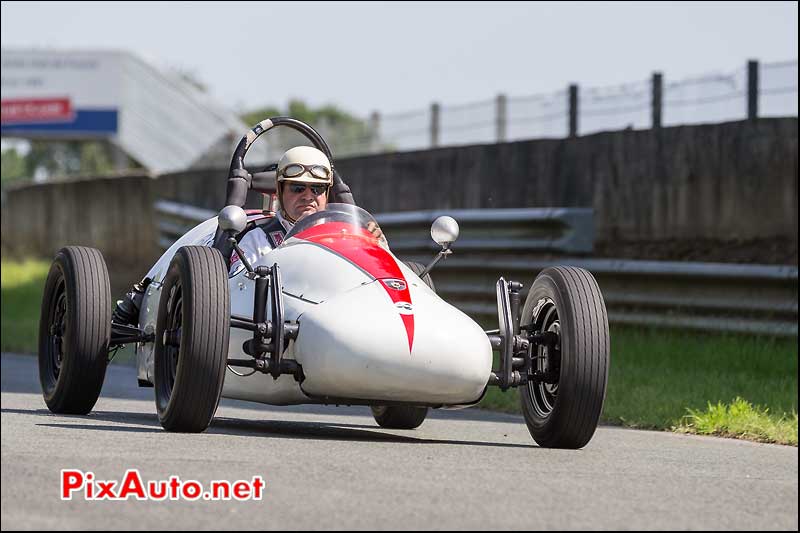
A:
[375,132]
[500,108]
[752,89]
[573,110]
[434,125]
[658,87]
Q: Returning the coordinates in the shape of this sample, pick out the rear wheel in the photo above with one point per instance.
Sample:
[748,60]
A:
[192,334]
[74,330]
[563,411]
[399,416]
[417,268]
[404,417]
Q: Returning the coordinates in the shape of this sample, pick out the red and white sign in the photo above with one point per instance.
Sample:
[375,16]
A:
[37,110]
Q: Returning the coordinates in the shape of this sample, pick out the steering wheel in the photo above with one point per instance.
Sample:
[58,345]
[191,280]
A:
[240,181]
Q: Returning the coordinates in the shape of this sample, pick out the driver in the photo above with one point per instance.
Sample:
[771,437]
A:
[304,178]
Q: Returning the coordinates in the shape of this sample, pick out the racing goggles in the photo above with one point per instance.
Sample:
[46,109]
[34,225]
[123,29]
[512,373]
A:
[316,190]
[294,170]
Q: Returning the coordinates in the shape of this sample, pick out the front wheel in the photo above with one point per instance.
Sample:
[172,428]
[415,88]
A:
[192,333]
[562,410]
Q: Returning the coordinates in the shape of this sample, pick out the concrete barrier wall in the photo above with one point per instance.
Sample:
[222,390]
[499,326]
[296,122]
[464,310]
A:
[721,181]
[114,215]
[736,180]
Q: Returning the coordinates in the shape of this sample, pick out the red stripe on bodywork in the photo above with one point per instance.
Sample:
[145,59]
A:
[361,248]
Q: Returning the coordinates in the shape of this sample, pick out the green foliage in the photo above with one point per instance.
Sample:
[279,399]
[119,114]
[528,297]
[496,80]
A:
[22,287]
[59,159]
[740,419]
[656,375]
[95,159]
[13,166]
[251,118]
[345,132]
[22,290]
[70,158]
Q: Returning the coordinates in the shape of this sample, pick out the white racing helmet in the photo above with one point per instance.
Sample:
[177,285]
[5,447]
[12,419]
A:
[305,164]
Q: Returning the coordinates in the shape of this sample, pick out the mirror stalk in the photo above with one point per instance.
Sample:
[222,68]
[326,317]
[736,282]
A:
[445,252]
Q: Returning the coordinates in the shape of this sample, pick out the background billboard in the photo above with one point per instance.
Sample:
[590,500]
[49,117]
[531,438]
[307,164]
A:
[60,94]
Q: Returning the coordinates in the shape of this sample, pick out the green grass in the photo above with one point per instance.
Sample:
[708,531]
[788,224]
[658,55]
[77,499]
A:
[741,419]
[22,286]
[658,377]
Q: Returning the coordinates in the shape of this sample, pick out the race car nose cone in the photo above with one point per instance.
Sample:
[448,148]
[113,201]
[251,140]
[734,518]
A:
[358,345]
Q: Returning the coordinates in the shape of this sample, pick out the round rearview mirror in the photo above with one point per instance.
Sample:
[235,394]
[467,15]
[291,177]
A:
[444,230]
[232,218]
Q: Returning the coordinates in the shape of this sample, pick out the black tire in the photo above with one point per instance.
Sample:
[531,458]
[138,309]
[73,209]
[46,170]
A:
[403,417]
[399,416]
[567,300]
[74,330]
[419,267]
[194,310]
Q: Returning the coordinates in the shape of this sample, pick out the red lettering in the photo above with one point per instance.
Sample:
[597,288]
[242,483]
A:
[106,490]
[37,109]
[192,490]
[258,484]
[241,490]
[174,485]
[221,486]
[132,485]
[155,493]
[71,480]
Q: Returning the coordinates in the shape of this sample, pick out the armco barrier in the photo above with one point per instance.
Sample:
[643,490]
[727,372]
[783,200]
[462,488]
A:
[701,296]
[759,299]
[567,230]
[175,219]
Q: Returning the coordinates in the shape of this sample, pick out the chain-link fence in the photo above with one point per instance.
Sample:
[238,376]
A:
[754,90]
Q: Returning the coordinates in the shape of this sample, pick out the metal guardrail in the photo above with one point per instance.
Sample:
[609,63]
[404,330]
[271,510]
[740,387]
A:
[560,229]
[175,219]
[566,230]
[759,299]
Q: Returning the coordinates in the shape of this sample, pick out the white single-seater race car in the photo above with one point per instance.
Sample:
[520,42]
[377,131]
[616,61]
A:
[330,316]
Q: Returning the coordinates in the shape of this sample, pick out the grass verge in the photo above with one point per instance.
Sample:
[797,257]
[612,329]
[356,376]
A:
[664,379]
[740,419]
[22,286]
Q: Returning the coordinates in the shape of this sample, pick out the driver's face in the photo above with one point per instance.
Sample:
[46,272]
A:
[301,204]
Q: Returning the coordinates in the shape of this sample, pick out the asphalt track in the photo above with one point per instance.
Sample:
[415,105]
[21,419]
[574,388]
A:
[333,468]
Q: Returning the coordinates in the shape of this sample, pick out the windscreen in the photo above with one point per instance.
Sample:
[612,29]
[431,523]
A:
[349,219]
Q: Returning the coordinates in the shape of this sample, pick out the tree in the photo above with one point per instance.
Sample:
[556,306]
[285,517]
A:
[251,118]
[13,166]
[346,133]
[60,158]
